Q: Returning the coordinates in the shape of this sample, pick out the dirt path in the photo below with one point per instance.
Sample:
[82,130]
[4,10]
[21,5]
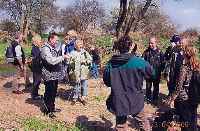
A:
[95,114]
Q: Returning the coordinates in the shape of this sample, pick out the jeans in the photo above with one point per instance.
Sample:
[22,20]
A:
[81,89]
[95,71]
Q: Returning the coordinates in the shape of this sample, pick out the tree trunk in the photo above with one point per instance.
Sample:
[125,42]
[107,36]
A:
[127,17]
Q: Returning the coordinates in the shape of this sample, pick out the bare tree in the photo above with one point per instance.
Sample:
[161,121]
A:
[9,26]
[26,12]
[130,14]
[80,15]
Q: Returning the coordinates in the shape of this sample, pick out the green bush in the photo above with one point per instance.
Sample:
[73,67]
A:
[197,44]
[164,43]
[104,41]
[44,36]
[3,46]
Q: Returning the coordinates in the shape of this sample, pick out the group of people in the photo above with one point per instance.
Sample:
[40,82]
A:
[125,73]
[55,61]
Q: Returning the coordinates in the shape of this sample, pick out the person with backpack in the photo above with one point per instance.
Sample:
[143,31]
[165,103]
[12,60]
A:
[125,73]
[79,67]
[51,73]
[156,58]
[16,53]
[95,62]
[175,58]
[186,97]
[36,66]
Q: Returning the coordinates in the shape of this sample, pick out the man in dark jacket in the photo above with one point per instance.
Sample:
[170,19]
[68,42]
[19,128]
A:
[36,66]
[156,59]
[125,73]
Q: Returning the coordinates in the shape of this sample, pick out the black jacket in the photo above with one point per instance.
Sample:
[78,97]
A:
[36,59]
[175,65]
[156,59]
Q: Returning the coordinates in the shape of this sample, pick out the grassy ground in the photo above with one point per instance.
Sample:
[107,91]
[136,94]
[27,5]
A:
[18,123]
[6,69]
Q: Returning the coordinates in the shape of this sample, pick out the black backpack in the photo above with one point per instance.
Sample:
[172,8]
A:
[107,75]
[9,54]
[194,90]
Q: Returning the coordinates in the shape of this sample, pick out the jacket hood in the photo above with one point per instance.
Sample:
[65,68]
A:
[119,60]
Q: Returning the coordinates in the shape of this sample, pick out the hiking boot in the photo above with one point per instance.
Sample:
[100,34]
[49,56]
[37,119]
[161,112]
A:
[39,97]
[57,110]
[51,115]
[74,102]
[83,102]
[122,127]
[17,92]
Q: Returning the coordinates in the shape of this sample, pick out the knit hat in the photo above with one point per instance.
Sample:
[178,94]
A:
[175,39]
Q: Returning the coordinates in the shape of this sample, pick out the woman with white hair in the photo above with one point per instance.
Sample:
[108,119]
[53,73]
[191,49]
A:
[36,66]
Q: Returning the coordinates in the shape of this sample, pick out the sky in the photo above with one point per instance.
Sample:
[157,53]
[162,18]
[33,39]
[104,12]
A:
[183,13]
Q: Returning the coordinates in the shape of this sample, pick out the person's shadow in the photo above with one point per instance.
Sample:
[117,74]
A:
[39,103]
[84,124]
[65,94]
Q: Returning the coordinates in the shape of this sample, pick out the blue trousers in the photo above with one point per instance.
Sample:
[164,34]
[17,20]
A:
[81,89]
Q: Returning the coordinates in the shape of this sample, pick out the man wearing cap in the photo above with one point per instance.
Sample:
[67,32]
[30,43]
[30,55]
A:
[174,59]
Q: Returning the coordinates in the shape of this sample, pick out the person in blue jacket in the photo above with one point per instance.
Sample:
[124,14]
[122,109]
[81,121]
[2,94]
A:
[70,45]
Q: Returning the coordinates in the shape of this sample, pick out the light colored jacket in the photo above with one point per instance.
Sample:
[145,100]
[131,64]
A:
[82,62]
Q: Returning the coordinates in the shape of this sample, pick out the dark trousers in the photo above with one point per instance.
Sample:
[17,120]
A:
[155,89]
[188,115]
[50,94]
[36,83]
[171,87]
